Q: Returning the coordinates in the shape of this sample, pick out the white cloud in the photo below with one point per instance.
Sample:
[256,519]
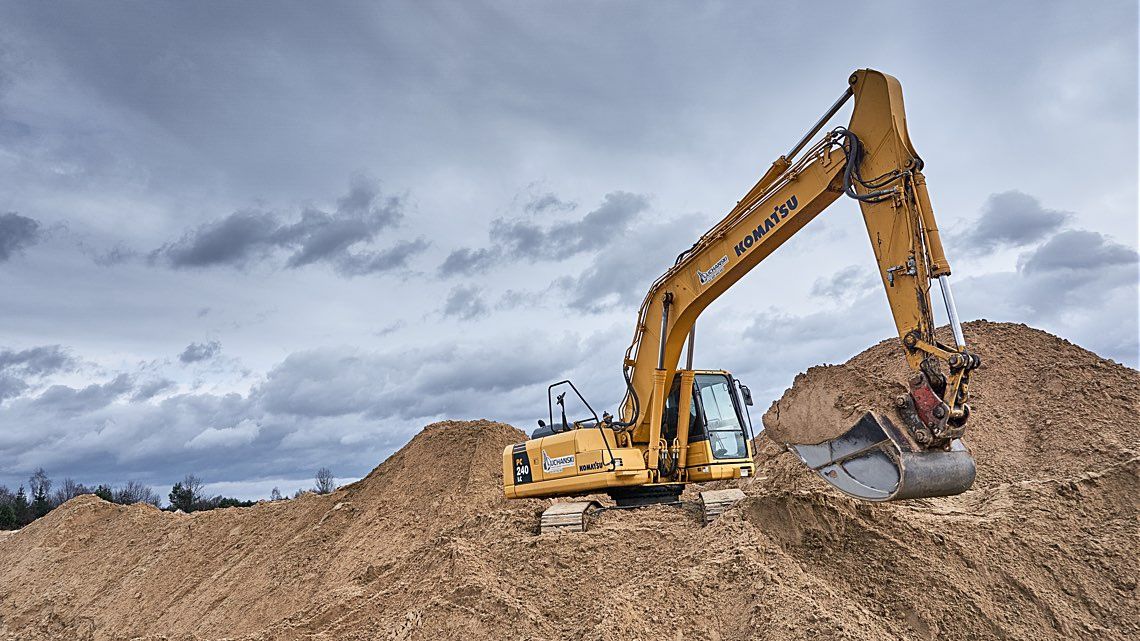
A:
[241,434]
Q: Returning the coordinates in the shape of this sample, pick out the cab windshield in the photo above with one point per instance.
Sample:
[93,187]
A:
[722,423]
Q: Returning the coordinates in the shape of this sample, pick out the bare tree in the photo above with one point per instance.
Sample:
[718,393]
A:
[135,492]
[325,481]
[275,495]
[68,490]
[39,484]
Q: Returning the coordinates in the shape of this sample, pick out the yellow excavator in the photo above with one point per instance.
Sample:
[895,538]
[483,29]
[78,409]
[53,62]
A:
[679,425]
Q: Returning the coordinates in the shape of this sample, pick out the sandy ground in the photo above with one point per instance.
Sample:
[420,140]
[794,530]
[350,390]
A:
[826,401]
[1043,547]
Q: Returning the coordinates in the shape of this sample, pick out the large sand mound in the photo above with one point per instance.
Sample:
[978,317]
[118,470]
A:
[425,548]
[1044,406]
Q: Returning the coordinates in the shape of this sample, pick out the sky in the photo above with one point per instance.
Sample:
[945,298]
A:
[249,240]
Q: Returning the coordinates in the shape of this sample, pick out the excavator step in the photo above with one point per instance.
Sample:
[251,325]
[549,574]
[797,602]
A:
[877,461]
[566,516]
[715,502]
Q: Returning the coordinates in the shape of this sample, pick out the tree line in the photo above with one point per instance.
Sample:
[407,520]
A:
[23,506]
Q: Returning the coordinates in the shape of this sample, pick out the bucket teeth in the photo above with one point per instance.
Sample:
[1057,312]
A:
[877,461]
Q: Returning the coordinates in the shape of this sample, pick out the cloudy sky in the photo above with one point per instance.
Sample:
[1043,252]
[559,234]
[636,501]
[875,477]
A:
[247,240]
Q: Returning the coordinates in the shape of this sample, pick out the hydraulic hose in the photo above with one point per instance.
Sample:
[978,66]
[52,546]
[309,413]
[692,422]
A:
[854,149]
[633,399]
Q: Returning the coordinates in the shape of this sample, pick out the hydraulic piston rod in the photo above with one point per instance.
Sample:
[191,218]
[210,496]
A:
[689,351]
[952,312]
[820,123]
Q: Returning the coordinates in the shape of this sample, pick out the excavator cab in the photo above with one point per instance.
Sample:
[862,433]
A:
[718,441]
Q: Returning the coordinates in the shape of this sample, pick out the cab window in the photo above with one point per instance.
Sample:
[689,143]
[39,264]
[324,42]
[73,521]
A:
[721,421]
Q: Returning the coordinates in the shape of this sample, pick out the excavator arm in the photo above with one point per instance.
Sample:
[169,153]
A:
[872,160]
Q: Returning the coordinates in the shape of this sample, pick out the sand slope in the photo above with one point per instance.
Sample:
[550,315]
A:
[1044,546]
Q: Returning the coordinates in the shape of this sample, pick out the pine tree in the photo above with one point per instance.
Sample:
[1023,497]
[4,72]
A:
[8,518]
[186,495]
[40,485]
[104,492]
[20,507]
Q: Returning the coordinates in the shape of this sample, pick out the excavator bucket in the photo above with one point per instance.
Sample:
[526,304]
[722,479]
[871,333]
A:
[877,461]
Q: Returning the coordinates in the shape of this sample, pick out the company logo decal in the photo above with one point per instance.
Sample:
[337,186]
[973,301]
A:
[779,213]
[556,465]
[713,272]
[598,465]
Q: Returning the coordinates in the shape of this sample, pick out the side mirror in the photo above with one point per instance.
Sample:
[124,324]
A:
[747,394]
[541,423]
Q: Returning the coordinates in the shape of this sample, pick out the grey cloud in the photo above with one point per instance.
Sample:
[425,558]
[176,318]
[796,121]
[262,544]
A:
[446,380]
[526,239]
[99,434]
[196,352]
[233,241]
[11,386]
[776,345]
[595,230]
[303,414]
[1009,219]
[150,389]
[390,328]
[1072,275]
[360,215]
[37,361]
[336,238]
[547,202]
[1078,250]
[465,303]
[324,383]
[845,285]
[320,235]
[361,200]
[66,400]
[115,256]
[385,260]
[16,367]
[514,299]
[467,261]
[16,234]
[623,276]
[1076,283]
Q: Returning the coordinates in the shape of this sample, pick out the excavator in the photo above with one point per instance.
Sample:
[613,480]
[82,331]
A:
[677,426]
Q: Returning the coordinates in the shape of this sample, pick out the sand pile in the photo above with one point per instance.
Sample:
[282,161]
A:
[1045,406]
[126,571]
[827,400]
[425,548]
